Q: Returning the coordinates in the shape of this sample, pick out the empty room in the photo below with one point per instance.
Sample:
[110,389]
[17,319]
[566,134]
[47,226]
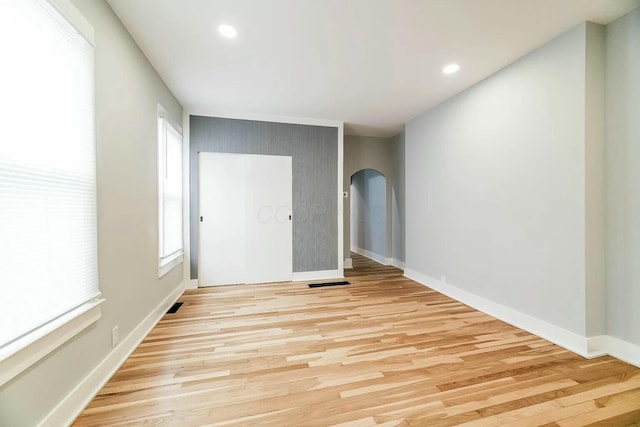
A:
[320,213]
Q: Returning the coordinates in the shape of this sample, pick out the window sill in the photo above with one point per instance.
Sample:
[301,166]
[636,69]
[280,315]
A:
[169,264]
[18,355]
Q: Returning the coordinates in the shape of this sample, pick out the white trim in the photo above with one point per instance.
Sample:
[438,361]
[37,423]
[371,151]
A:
[620,349]
[340,199]
[24,352]
[304,276]
[18,354]
[567,339]
[396,263]
[186,203]
[348,263]
[225,114]
[192,284]
[597,345]
[169,264]
[591,347]
[377,258]
[162,112]
[372,256]
[75,402]
[73,15]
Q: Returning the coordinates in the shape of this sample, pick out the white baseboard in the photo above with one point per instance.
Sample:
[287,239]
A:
[620,349]
[591,347]
[377,258]
[192,284]
[304,276]
[75,402]
[348,263]
[371,255]
[567,339]
[597,345]
[396,263]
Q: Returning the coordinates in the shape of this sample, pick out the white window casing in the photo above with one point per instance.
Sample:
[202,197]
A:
[170,228]
[48,228]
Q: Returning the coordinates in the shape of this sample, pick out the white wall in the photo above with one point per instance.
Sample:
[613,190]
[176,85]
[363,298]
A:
[398,200]
[357,212]
[495,183]
[623,177]
[127,92]
[595,274]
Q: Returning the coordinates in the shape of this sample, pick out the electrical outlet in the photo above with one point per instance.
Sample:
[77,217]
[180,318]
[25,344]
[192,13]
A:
[443,279]
[115,336]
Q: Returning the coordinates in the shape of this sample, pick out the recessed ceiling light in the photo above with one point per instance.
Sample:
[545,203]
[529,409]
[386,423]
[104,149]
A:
[450,69]
[227,31]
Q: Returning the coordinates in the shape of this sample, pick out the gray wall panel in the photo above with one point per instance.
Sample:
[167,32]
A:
[495,186]
[314,151]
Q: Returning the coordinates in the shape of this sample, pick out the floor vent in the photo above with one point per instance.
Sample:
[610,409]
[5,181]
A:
[175,307]
[320,285]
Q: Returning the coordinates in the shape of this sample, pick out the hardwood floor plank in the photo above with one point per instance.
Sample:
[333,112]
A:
[384,351]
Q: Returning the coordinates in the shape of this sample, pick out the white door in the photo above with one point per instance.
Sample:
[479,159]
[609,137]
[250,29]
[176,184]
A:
[245,233]
[221,240]
[268,230]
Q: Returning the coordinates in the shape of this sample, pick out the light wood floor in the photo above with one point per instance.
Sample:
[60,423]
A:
[382,351]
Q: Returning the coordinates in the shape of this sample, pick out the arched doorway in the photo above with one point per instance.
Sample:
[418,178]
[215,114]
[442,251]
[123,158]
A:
[368,214]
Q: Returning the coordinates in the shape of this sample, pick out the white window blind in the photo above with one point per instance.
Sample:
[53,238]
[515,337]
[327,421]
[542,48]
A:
[48,242]
[170,190]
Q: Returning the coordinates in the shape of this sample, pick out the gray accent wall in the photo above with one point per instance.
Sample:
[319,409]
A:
[314,152]
[623,177]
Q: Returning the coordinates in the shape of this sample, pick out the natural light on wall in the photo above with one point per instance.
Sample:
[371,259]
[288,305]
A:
[47,172]
[169,193]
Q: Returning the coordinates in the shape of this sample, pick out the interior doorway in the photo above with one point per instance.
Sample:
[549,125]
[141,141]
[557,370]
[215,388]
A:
[245,219]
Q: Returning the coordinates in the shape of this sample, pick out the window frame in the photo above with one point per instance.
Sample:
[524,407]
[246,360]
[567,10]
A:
[18,355]
[168,263]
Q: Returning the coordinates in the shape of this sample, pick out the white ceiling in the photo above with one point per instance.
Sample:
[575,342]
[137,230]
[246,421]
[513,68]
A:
[374,64]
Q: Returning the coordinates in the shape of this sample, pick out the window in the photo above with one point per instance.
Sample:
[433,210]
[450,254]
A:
[169,193]
[48,232]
